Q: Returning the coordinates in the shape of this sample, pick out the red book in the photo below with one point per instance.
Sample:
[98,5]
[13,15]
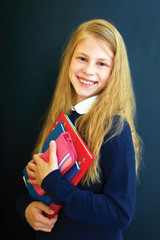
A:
[84,156]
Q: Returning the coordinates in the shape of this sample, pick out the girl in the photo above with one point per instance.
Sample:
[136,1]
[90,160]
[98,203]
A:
[94,88]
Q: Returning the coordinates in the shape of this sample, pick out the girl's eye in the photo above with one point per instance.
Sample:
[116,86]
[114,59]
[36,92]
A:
[101,64]
[83,59]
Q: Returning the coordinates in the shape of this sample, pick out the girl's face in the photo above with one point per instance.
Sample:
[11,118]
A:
[90,68]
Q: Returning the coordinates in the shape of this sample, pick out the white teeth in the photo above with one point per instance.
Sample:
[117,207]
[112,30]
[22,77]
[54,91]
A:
[86,82]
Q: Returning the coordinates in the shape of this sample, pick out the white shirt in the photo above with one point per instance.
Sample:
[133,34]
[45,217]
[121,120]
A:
[84,106]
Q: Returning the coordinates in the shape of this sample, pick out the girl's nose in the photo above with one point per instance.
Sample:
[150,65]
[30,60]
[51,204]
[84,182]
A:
[89,69]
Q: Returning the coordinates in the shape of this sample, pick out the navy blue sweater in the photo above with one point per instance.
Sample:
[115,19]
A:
[102,210]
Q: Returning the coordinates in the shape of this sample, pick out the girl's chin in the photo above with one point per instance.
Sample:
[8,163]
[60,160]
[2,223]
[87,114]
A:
[79,97]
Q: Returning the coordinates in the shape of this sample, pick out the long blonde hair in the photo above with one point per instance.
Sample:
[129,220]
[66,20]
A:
[117,98]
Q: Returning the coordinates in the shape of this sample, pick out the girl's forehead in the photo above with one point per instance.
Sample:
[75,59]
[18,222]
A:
[92,44]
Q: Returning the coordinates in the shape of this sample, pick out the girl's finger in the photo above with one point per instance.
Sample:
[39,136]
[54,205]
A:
[39,226]
[36,157]
[53,156]
[43,228]
[31,166]
[30,172]
[32,181]
[45,208]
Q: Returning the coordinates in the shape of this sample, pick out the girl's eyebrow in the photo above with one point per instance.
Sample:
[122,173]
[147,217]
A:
[80,53]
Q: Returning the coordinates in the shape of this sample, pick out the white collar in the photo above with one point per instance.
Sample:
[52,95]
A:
[84,106]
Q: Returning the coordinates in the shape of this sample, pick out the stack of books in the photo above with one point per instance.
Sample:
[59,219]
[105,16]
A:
[73,164]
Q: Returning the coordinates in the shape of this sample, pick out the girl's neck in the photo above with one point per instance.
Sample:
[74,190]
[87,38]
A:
[77,99]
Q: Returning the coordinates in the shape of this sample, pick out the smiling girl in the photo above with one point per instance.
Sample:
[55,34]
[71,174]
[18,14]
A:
[94,88]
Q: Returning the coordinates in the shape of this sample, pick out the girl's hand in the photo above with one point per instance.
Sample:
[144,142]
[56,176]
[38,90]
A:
[39,169]
[36,219]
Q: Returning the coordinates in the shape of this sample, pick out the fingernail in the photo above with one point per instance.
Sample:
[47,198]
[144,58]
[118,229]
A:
[52,143]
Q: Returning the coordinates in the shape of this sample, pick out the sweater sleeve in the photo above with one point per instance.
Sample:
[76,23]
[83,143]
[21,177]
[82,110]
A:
[114,207]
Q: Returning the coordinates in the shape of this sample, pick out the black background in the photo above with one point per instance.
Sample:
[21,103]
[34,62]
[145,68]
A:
[33,34]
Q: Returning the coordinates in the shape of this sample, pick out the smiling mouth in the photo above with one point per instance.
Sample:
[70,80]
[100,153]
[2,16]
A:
[86,81]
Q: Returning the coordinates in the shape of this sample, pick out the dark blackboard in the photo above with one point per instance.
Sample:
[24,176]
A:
[33,35]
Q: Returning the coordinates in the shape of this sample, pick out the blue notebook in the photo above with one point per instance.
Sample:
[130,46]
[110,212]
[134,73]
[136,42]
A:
[53,136]
[33,194]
